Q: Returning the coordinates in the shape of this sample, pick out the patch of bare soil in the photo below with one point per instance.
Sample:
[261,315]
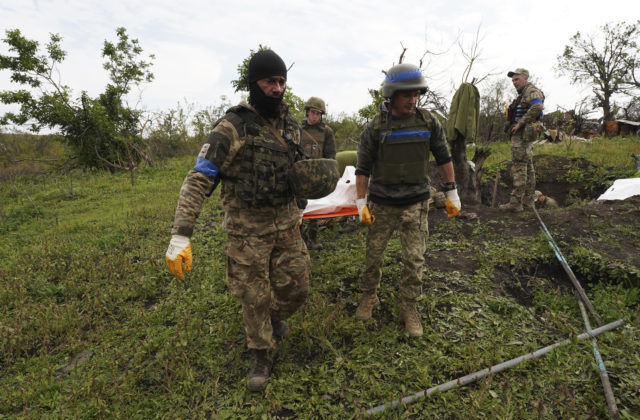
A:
[608,228]
[564,179]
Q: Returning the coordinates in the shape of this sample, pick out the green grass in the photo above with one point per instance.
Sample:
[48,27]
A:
[83,275]
[601,151]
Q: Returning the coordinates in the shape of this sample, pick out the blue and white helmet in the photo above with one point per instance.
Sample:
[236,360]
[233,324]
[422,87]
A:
[403,77]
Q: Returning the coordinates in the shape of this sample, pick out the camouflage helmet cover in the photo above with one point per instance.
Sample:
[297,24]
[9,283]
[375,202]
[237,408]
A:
[520,70]
[315,103]
[314,178]
[403,76]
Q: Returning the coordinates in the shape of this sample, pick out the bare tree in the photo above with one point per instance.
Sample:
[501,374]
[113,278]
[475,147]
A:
[631,111]
[578,124]
[432,98]
[468,176]
[472,54]
[493,103]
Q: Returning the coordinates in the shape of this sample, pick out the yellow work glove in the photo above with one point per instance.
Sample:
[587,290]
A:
[363,211]
[179,252]
[453,204]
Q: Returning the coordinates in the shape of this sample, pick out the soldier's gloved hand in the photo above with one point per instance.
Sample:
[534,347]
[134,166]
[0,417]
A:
[179,252]
[363,211]
[453,204]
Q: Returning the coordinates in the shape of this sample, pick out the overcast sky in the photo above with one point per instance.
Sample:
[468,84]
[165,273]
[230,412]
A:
[337,48]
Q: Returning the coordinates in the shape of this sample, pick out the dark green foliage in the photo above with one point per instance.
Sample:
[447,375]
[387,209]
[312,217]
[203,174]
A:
[241,84]
[607,61]
[102,132]
[346,130]
[370,110]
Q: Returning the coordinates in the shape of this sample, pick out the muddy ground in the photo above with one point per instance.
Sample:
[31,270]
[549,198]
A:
[608,229]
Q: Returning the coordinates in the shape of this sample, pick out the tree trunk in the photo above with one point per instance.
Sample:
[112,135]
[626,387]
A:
[461,169]
[468,179]
[606,107]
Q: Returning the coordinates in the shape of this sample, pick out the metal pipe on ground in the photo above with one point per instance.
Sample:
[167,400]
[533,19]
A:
[464,380]
[582,301]
[576,284]
[604,376]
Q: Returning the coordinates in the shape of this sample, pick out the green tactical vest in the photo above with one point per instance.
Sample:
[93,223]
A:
[403,152]
[311,146]
[264,164]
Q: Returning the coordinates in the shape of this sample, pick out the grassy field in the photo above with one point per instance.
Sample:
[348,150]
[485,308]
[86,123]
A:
[92,324]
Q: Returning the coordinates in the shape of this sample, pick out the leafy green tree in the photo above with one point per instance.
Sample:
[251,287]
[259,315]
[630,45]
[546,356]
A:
[370,110]
[102,132]
[183,129]
[241,84]
[167,133]
[607,61]
[204,120]
[346,129]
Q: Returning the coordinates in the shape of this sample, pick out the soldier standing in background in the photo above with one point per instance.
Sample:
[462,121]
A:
[268,265]
[317,141]
[393,157]
[524,114]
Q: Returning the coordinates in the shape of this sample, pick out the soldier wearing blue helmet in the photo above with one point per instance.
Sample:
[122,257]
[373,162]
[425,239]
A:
[393,188]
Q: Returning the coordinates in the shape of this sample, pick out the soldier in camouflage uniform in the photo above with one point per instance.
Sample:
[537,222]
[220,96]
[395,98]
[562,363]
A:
[317,142]
[268,265]
[545,201]
[393,156]
[524,115]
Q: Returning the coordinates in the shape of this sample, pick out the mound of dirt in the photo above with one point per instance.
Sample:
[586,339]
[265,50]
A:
[565,179]
[609,228]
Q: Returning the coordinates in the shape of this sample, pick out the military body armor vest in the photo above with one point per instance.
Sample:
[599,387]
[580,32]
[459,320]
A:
[311,147]
[403,152]
[262,179]
[518,108]
[521,109]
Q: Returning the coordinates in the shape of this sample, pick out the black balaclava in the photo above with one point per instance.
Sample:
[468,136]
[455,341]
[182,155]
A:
[265,63]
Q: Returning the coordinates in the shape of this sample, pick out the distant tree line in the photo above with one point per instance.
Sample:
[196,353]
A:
[106,133]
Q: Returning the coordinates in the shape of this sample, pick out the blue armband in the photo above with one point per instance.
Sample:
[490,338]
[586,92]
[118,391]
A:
[536,101]
[207,168]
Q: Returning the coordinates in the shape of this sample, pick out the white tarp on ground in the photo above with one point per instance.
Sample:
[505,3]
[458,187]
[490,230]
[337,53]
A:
[342,200]
[621,189]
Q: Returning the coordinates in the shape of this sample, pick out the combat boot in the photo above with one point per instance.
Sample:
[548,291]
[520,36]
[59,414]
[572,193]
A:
[350,225]
[280,329]
[512,207]
[312,241]
[260,370]
[368,301]
[411,318]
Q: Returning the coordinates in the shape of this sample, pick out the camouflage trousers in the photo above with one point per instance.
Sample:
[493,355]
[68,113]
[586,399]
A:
[309,229]
[522,171]
[412,224]
[269,275]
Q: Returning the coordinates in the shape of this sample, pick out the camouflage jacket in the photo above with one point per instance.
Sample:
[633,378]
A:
[317,140]
[370,139]
[532,101]
[224,149]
